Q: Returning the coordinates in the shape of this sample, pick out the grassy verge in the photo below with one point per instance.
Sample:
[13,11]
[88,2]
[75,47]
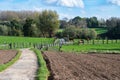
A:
[4,66]
[42,73]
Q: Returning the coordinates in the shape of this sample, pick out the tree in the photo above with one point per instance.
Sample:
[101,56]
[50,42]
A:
[63,24]
[92,22]
[78,22]
[114,33]
[48,23]
[102,23]
[3,30]
[15,28]
[112,22]
[21,15]
[70,32]
[27,27]
[34,31]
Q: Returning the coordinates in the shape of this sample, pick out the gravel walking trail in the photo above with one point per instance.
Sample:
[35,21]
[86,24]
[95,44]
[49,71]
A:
[24,69]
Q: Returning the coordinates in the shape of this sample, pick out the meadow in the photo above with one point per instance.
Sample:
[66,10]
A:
[7,42]
[9,39]
[91,45]
[111,47]
[100,30]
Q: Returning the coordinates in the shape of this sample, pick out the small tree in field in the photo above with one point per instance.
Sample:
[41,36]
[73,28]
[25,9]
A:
[69,32]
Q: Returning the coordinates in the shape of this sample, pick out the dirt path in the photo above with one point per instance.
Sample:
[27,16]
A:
[24,69]
[65,66]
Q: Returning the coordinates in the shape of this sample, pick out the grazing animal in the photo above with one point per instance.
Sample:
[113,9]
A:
[81,41]
[71,39]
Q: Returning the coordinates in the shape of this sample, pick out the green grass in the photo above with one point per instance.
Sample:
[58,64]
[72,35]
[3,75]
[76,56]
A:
[42,73]
[90,47]
[4,66]
[9,39]
[100,30]
[22,42]
[97,41]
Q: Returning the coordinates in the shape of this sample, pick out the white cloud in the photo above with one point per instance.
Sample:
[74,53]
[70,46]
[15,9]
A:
[117,2]
[68,3]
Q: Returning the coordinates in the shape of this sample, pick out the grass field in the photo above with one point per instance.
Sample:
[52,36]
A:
[100,30]
[91,47]
[19,42]
[97,41]
[9,39]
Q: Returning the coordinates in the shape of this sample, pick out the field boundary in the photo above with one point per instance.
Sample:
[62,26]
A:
[42,72]
[5,66]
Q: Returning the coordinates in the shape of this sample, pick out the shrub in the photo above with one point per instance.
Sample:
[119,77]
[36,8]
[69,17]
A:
[69,32]
[78,33]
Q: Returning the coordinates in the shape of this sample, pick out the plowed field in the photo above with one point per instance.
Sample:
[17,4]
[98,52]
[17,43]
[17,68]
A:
[70,66]
[7,55]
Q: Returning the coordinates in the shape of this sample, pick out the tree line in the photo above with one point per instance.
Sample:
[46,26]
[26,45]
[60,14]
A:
[46,23]
[29,23]
[112,25]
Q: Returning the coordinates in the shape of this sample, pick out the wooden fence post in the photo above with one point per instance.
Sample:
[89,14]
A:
[93,42]
[116,41]
[10,45]
[103,41]
[14,45]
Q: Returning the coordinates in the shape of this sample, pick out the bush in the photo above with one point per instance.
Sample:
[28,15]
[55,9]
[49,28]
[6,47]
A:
[92,34]
[59,34]
[69,32]
[73,32]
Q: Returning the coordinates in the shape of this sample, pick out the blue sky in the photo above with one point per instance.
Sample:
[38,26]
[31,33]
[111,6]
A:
[67,8]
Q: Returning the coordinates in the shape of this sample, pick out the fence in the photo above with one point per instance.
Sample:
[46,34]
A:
[103,41]
[17,45]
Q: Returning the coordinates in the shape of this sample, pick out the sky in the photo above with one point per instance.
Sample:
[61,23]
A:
[67,8]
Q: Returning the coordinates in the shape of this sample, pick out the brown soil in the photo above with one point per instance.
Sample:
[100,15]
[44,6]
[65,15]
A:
[83,66]
[7,55]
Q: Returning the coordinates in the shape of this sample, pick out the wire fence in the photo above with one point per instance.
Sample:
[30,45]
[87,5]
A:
[17,45]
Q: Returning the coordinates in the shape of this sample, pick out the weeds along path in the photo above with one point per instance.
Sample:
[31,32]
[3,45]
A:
[24,69]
